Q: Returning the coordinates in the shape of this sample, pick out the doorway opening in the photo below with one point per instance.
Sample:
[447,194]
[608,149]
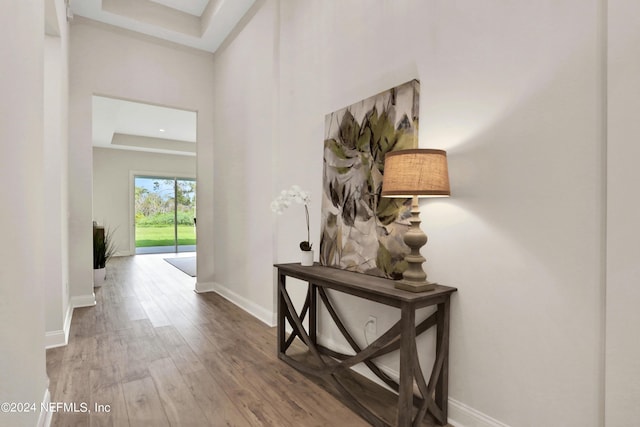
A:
[165,214]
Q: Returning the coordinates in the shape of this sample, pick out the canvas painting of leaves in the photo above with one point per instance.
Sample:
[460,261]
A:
[362,231]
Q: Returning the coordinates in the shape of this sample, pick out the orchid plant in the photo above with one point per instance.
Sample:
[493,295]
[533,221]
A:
[285,199]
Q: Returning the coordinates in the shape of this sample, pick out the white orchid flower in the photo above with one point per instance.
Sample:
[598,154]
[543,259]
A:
[284,200]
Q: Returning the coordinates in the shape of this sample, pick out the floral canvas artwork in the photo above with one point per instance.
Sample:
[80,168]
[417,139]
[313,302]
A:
[362,231]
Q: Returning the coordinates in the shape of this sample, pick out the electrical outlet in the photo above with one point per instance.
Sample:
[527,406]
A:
[371,326]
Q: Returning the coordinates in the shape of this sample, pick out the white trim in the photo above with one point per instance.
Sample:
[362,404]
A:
[83,301]
[132,196]
[54,339]
[202,287]
[260,313]
[44,420]
[461,415]
[61,337]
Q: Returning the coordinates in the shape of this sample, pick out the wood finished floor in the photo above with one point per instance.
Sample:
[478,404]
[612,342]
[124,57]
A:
[161,355]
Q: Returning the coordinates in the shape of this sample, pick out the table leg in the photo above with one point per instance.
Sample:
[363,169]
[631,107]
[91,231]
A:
[313,313]
[281,313]
[407,344]
[442,340]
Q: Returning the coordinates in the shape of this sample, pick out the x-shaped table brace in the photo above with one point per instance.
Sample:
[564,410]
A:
[401,336]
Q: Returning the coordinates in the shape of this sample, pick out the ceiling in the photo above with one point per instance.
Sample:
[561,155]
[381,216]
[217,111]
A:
[200,24]
[128,125]
[192,7]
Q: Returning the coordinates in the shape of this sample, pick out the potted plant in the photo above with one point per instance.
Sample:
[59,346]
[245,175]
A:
[283,201]
[103,250]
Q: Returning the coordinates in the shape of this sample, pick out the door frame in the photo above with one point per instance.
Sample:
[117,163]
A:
[132,197]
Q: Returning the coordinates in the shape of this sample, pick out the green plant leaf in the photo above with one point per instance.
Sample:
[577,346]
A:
[389,209]
[103,246]
[383,260]
[336,148]
[349,130]
[364,140]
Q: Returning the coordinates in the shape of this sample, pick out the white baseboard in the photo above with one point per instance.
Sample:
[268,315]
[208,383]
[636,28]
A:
[61,337]
[265,316]
[84,301]
[461,415]
[202,287]
[44,420]
[54,339]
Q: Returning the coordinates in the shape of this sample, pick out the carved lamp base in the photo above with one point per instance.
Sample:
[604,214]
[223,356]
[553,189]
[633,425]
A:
[410,286]
[414,278]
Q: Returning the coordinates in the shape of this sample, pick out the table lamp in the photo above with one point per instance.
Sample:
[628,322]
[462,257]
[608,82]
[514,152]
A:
[415,173]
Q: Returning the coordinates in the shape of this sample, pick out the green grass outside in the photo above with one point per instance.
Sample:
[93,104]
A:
[162,235]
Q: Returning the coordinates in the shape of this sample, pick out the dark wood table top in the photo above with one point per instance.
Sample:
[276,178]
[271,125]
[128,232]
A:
[371,287]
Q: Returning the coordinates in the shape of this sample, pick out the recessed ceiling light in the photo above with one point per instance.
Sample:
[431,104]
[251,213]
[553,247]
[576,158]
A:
[161,130]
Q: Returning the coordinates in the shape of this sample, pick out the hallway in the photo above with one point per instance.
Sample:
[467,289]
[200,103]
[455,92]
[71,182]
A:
[152,352]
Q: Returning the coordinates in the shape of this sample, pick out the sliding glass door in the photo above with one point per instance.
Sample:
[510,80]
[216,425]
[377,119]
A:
[165,214]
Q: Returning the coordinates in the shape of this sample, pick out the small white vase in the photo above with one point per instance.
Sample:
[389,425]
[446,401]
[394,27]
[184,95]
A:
[307,258]
[99,275]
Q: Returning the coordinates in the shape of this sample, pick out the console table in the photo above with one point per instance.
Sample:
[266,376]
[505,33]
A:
[411,409]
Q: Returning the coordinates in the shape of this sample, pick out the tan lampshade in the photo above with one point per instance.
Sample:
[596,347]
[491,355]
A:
[417,172]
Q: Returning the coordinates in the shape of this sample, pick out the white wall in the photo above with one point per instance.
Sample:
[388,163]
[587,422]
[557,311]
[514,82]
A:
[112,187]
[514,92]
[245,88]
[22,358]
[121,64]
[623,228]
[56,132]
